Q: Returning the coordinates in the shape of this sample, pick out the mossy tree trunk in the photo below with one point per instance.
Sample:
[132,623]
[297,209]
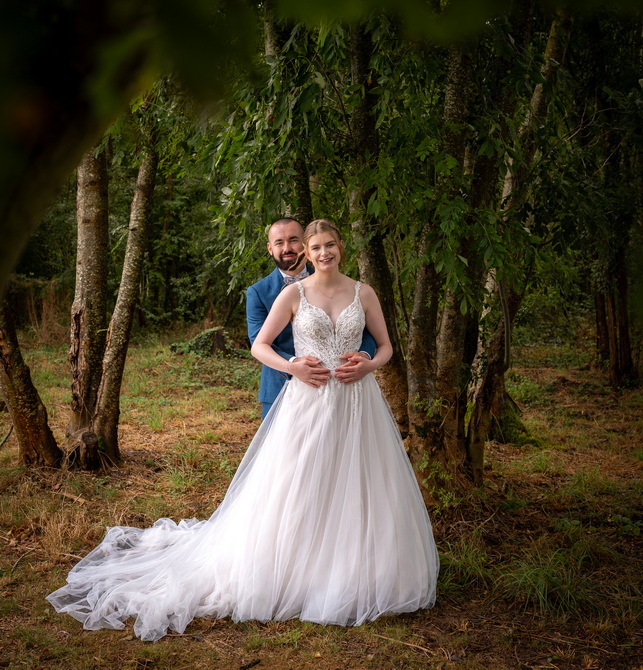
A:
[118,334]
[36,443]
[515,189]
[425,425]
[372,262]
[445,351]
[89,309]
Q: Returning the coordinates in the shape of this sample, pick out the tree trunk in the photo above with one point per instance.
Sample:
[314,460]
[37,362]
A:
[554,56]
[108,404]
[602,336]
[451,386]
[451,337]
[514,188]
[612,338]
[487,390]
[89,309]
[425,422]
[373,266]
[273,37]
[627,371]
[304,211]
[36,443]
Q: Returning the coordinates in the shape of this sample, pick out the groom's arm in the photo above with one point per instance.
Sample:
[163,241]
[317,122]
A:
[256,313]
[368,345]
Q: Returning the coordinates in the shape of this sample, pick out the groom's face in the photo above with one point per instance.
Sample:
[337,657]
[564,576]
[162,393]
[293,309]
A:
[285,243]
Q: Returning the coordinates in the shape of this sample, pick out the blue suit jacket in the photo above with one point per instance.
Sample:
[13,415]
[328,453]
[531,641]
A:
[259,299]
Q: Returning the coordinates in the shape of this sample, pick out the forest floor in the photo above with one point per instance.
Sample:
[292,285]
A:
[541,567]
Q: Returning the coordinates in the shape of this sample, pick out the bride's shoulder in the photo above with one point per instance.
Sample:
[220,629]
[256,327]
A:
[289,294]
[367,296]
[365,290]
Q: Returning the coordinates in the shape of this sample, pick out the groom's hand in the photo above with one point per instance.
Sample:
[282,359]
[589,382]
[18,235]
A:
[309,370]
[355,368]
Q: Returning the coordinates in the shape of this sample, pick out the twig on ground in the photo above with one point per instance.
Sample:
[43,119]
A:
[408,644]
[6,437]
[13,567]
[78,499]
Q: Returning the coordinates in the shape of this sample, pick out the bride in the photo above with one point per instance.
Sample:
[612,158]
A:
[323,520]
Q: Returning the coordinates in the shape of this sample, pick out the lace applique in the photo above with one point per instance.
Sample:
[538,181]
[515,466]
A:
[315,335]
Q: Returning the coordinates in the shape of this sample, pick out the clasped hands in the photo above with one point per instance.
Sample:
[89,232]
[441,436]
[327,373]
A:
[310,370]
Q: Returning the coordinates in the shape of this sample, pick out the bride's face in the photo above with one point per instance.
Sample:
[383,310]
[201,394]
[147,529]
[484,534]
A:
[324,251]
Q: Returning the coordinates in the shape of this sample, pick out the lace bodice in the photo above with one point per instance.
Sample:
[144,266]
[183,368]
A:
[314,334]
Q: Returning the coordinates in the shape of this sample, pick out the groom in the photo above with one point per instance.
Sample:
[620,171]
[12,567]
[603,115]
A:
[285,244]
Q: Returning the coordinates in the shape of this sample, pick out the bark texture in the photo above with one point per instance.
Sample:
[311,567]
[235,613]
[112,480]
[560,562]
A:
[425,423]
[36,443]
[118,334]
[372,262]
[515,178]
[89,309]
[602,336]
[451,337]
[304,211]
[487,392]
[622,371]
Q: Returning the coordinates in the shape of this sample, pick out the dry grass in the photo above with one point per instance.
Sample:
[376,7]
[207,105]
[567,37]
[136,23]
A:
[541,567]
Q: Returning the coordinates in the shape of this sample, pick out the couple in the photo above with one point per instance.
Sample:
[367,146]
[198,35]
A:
[323,520]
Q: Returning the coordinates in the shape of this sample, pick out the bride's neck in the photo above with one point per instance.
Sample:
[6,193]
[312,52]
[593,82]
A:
[327,280]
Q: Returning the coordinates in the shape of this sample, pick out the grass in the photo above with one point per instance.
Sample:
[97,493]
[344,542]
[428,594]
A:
[540,568]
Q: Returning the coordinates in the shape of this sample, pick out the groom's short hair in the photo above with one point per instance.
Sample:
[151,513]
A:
[281,222]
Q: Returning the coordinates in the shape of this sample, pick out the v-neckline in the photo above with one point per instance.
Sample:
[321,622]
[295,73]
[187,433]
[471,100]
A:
[326,314]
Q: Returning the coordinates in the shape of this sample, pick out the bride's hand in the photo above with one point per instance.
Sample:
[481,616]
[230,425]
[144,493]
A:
[309,370]
[356,367]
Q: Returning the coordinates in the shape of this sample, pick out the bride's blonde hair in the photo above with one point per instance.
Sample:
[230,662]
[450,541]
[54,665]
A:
[324,226]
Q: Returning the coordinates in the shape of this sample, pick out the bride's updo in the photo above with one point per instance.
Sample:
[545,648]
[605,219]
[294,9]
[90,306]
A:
[324,226]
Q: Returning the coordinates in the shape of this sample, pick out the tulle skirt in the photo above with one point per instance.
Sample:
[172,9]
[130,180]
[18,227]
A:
[323,521]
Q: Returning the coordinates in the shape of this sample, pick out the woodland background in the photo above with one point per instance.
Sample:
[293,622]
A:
[484,162]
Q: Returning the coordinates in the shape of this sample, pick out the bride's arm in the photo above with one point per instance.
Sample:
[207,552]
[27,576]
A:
[306,368]
[280,314]
[376,326]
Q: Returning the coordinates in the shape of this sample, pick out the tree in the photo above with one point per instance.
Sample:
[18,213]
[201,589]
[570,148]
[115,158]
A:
[118,334]
[515,187]
[36,443]
[89,310]
[373,265]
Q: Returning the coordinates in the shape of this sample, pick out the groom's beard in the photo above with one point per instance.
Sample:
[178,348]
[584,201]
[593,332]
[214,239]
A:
[286,264]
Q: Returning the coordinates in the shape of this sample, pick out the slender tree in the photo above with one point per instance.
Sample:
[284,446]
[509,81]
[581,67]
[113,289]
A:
[89,309]
[514,188]
[108,401]
[373,265]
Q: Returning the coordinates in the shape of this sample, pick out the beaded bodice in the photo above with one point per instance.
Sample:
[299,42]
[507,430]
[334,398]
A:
[315,335]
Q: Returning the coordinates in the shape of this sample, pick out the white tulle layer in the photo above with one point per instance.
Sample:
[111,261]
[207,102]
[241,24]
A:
[323,521]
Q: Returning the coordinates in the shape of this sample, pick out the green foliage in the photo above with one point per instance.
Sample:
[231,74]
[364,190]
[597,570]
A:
[627,526]
[436,479]
[209,342]
[526,391]
[551,580]
[464,565]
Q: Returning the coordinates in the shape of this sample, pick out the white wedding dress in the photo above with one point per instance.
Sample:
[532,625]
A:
[323,520]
